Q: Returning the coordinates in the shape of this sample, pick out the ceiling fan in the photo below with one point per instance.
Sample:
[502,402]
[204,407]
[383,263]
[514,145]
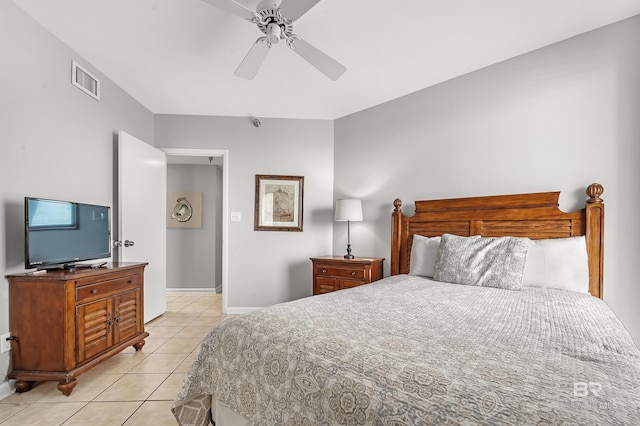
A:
[275,19]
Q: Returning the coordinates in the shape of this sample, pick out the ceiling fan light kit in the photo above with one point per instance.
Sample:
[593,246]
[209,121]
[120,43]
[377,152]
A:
[275,19]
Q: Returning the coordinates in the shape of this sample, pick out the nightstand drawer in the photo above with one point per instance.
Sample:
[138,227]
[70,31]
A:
[326,285]
[350,284]
[334,272]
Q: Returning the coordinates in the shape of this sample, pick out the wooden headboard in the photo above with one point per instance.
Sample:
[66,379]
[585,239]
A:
[535,215]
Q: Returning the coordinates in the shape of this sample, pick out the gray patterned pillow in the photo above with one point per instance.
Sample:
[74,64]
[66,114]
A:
[487,262]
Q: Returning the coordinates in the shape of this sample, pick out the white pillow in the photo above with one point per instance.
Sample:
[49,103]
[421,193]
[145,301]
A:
[423,255]
[558,263]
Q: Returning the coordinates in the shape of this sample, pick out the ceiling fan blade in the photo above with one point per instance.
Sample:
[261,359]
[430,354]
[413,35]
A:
[324,63]
[251,63]
[233,8]
[293,9]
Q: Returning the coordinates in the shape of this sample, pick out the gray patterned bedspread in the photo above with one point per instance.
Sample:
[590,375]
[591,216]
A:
[410,351]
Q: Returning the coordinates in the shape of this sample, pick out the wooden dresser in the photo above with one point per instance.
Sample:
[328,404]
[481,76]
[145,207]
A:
[66,322]
[331,273]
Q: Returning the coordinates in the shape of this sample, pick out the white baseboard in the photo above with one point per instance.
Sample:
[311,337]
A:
[191,290]
[6,389]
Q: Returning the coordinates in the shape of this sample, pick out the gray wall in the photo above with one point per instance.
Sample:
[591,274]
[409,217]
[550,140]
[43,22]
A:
[558,118]
[194,255]
[56,141]
[266,267]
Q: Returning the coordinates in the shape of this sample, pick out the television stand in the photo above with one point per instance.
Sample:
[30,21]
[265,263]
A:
[65,322]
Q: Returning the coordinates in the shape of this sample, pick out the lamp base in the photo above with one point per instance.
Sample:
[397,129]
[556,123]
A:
[349,255]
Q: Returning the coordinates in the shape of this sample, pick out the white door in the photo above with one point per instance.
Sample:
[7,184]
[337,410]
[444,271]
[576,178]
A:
[142,193]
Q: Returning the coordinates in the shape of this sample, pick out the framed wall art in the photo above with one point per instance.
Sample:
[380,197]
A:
[278,203]
[184,209]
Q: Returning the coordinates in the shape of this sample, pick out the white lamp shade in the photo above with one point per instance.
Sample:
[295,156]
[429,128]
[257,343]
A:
[349,210]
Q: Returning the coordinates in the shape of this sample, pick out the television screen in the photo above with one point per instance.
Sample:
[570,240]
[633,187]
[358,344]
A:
[60,233]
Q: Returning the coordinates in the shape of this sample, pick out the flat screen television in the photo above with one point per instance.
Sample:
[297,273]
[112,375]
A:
[60,233]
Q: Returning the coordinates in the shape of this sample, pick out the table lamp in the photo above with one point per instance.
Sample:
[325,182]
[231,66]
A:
[351,211]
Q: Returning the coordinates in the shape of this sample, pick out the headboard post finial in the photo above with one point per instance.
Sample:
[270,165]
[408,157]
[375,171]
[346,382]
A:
[397,203]
[594,191]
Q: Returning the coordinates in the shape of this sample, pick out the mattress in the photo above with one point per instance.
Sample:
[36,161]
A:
[407,350]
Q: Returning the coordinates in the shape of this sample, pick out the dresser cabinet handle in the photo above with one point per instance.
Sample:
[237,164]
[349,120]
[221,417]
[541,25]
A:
[324,271]
[94,291]
[353,273]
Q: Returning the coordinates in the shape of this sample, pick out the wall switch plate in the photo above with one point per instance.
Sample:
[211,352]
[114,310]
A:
[236,217]
[5,345]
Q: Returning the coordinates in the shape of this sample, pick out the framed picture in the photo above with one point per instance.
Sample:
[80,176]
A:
[278,203]
[184,209]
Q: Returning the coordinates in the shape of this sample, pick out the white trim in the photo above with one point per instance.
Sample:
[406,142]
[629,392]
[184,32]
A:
[224,153]
[195,152]
[191,290]
[225,231]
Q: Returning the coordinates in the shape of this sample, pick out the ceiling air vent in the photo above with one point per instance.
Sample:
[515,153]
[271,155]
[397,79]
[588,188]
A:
[83,80]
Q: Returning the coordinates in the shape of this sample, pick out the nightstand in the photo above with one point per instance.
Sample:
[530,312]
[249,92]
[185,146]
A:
[331,273]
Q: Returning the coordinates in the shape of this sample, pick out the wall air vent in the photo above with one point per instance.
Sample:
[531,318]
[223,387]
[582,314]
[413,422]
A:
[83,80]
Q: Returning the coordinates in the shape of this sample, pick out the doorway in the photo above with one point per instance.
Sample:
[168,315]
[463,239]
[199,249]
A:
[221,159]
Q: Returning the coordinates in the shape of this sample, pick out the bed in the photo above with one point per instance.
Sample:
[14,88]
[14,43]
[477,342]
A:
[423,346]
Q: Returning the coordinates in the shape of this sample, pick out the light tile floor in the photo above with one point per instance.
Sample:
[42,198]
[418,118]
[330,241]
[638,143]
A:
[131,388]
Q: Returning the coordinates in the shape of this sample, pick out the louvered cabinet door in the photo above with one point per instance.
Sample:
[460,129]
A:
[94,328]
[128,321]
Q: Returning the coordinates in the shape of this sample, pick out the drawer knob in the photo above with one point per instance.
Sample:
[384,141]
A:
[324,271]
[94,291]
[353,273]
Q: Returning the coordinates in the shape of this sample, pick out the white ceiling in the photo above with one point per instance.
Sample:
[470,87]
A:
[178,56]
